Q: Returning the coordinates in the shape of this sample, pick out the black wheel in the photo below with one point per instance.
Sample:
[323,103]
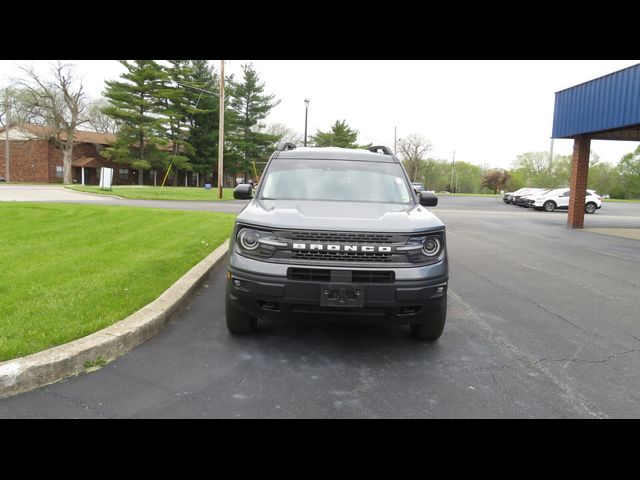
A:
[549,206]
[238,322]
[590,207]
[431,330]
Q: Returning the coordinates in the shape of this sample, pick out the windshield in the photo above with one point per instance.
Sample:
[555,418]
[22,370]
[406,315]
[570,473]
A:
[335,180]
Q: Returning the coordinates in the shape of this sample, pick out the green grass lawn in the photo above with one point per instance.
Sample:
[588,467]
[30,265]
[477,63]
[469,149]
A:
[618,200]
[159,193]
[69,270]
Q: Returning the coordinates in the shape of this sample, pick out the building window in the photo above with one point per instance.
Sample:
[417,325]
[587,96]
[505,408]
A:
[123,171]
[59,171]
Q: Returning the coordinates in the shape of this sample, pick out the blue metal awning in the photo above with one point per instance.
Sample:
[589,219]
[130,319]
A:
[606,108]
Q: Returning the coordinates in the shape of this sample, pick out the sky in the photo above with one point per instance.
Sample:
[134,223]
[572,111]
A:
[487,112]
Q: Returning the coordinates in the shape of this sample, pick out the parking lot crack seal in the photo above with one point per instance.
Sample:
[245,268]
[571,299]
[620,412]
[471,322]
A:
[538,305]
[581,360]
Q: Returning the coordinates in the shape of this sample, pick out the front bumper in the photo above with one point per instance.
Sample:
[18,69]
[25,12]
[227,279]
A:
[409,298]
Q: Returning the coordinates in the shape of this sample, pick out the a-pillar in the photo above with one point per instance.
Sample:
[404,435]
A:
[579,177]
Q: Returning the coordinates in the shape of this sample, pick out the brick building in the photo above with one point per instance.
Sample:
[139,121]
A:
[35,157]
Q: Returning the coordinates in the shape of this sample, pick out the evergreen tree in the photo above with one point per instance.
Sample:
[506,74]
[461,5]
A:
[250,105]
[341,135]
[177,102]
[134,104]
[204,118]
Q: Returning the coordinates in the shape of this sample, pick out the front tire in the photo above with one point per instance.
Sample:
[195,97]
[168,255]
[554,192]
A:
[239,323]
[432,328]
[590,207]
[549,206]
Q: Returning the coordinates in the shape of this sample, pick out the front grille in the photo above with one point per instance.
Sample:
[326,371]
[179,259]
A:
[357,276]
[363,311]
[342,256]
[327,258]
[310,274]
[345,237]
[365,276]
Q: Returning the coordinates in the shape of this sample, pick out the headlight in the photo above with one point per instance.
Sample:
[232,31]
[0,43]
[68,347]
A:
[424,249]
[248,239]
[257,242]
[431,246]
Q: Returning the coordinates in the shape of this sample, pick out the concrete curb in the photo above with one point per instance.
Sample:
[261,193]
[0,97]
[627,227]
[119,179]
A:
[100,195]
[49,366]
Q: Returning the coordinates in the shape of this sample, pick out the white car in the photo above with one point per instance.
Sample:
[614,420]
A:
[559,199]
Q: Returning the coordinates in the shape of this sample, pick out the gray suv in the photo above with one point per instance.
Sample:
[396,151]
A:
[336,233]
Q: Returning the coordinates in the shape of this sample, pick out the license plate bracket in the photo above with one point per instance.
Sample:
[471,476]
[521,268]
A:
[341,295]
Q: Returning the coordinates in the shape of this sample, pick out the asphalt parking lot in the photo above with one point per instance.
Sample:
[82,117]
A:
[543,323]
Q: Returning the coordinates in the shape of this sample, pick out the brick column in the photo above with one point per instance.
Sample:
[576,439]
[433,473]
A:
[579,177]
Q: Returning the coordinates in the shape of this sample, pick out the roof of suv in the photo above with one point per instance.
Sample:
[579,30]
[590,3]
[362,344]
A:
[334,153]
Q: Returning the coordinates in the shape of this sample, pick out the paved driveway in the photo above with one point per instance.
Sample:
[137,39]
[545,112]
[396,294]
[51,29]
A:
[543,322]
[59,194]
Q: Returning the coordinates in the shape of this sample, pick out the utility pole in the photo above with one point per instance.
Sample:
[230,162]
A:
[221,131]
[453,166]
[7,147]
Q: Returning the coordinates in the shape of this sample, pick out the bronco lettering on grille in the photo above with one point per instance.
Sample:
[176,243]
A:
[340,248]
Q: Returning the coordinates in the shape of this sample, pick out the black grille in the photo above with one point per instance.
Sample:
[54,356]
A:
[357,276]
[363,311]
[342,256]
[346,237]
[310,274]
[366,276]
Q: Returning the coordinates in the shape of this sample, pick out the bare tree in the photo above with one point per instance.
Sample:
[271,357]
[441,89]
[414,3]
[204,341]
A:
[412,148]
[12,107]
[284,133]
[98,121]
[58,104]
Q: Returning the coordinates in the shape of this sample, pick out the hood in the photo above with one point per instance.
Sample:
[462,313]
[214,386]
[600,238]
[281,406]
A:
[342,216]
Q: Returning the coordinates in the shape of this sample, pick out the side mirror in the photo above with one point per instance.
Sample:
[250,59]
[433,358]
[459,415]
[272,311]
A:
[428,199]
[243,192]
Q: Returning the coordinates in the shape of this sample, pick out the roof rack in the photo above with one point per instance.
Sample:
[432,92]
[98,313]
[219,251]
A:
[283,147]
[377,148]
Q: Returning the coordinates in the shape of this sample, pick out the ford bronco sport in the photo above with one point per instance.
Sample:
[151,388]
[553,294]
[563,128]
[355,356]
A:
[337,233]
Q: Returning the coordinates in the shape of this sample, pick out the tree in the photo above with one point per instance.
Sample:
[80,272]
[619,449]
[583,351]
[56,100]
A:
[14,106]
[495,179]
[629,168]
[467,178]
[134,104]
[178,103]
[204,118]
[59,104]
[412,149]
[99,121]
[251,105]
[537,168]
[605,178]
[282,133]
[340,135]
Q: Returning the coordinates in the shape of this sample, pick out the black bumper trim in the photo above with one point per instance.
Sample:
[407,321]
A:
[276,297]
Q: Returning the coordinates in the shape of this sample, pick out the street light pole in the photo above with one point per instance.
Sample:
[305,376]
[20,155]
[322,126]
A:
[221,131]
[395,140]
[306,113]
[7,147]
